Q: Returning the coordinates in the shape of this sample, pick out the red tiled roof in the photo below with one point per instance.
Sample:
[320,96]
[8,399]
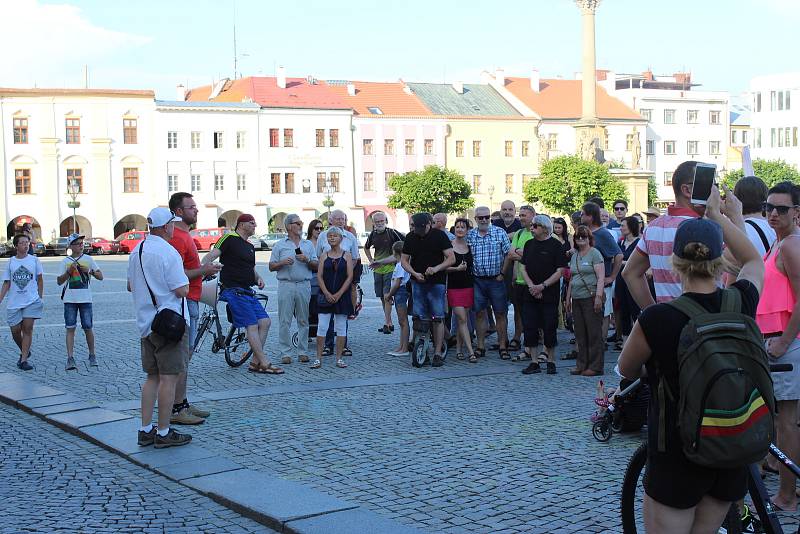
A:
[264,91]
[389,97]
[561,99]
[12,91]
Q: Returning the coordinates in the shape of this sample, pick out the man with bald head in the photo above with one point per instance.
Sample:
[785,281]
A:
[440,223]
[508,220]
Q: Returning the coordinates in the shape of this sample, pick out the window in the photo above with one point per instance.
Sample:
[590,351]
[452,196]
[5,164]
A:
[713,147]
[335,181]
[780,100]
[429,147]
[509,183]
[780,137]
[629,142]
[375,110]
[217,139]
[788,100]
[273,138]
[320,137]
[22,181]
[130,177]
[387,176]
[646,114]
[288,182]
[794,136]
[509,148]
[691,148]
[734,136]
[275,182]
[388,147]
[75,176]
[172,139]
[409,147]
[476,149]
[773,104]
[526,179]
[605,141]
[758,137]
[306,185]
[476,183]
[669,147]
[772,142]
[20,131]
[241,138]
[172,183]
[195,183]
[73,131]
[219,182]
[367,147]
[195,140]
[744,137]
[526,149]
[691,116]
[788,134]
[369,182]
[129,131]
[288,137]
[758,102]
[668,178]
[650,147]
[552,141]
[241,182]
[459,149]
[669,116]
[334,137]
[713,117]
[320,182]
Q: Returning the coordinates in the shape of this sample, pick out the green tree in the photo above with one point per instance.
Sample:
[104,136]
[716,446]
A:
[652,191]
[433,189]
[771,171]
[565,182]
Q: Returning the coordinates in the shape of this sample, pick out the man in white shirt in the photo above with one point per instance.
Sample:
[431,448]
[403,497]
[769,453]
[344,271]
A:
[155,273]
[752,192]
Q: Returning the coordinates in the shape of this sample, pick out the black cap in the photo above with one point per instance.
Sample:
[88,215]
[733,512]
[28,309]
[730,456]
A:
[420,220]
[702,231]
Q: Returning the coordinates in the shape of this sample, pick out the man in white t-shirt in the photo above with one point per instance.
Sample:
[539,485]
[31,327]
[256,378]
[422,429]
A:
[155,273]
[24,296]
[78,269]
[752,193]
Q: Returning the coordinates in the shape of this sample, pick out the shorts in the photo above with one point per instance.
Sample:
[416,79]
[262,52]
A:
[245,309]
[194,320]
[383,283]
[787,385]
[31,311]
[490,292]
[162,357]
[608,308]
[429,300]
[71,310]
[461,298]
[401,298]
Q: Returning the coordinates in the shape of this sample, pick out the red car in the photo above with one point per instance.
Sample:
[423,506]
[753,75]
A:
[205,238]
[99,245]
[129,240]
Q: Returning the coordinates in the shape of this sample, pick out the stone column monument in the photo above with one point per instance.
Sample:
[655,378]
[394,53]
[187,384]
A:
[590,132]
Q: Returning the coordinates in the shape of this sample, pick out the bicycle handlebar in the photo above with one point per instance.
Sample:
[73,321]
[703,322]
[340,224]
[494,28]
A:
[780,367]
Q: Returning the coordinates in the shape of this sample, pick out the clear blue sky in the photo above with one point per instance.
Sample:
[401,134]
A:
[157,44]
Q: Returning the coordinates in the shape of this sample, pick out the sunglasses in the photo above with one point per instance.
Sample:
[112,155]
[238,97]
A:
[535,225]
[580,238]
[782,210]
[482,218]
[318,228]
[620,208]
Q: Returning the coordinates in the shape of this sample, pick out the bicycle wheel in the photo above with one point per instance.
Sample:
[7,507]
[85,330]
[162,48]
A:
[418,353]
[234,357]
[633,492]
[205,322]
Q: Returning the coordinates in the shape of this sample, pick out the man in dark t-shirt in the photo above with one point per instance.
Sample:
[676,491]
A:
[427,253]
[508,220]
[382,264]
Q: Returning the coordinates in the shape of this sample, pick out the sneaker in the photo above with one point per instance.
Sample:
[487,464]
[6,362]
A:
[172,439]
[92,360]
[146,438]
[286,360]
[25,366]
[551,368]
[532,368]
[184,417]
[71,365]
[198,412]
[438,361]
[398,353]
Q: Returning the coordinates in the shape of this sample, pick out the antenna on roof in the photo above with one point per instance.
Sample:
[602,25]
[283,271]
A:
[235,56]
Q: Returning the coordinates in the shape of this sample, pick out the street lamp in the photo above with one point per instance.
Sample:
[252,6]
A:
[73,188]
[306,185]
[328,202]
[490,190]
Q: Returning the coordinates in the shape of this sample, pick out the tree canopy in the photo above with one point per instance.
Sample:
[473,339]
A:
[771,171]
[433,189]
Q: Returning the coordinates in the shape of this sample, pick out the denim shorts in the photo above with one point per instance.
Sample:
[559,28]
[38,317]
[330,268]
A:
[489,291]
[246,310]
[31,311]
[401,297]
[71,310]
[429,300]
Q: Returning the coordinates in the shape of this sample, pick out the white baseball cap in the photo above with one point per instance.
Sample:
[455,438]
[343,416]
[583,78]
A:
[160,217]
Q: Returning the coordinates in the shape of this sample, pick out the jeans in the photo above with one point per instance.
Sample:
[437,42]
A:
[71,310]
[429,300]
[490,293]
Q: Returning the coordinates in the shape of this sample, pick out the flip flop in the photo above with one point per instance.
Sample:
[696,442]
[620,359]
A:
[514,345]
[265,369]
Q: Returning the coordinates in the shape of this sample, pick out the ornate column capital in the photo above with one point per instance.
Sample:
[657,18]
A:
[588,6]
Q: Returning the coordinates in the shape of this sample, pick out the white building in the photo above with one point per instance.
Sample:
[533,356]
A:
[683,123]
[99,140]
[775,117]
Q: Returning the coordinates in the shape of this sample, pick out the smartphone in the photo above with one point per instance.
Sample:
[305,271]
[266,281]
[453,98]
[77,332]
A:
[297,251]
[704,176]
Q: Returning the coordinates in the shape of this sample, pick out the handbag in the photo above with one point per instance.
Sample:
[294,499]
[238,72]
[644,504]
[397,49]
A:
[167,323]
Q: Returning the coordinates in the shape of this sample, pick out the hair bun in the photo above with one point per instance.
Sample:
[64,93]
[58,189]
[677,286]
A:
[696,252]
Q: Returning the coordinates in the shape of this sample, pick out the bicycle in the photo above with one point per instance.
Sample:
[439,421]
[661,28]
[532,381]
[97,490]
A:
[235,338]
[633,492]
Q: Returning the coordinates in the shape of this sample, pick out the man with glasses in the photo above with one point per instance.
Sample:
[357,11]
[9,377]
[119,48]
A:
[295,261]
[382,238]
[620,212]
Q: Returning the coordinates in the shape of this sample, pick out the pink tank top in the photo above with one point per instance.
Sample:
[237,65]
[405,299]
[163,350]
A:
[777,298]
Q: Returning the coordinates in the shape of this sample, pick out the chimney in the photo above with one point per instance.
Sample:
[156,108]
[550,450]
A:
[180,92]
[407,90]
[535,80]
[458,87]
[351,89]
[281,75]
[500,77]
[86,76]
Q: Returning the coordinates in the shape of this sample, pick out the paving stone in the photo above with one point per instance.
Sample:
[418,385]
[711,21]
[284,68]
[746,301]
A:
[88,417]
[198,467]
[64,408]
[49,401]
[15,391]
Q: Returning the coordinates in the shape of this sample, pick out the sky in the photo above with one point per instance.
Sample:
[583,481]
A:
[157,44]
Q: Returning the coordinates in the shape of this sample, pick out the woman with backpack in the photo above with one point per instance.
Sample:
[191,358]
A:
[681,494]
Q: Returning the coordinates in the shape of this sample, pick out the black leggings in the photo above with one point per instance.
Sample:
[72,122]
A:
[538,315]
[628,309]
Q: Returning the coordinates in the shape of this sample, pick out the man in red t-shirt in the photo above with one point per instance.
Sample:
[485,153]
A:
[184,206]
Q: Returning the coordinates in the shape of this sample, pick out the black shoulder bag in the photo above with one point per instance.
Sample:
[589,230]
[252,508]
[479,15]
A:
[167,323]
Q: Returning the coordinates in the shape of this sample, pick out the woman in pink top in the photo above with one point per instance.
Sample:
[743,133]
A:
[778,315]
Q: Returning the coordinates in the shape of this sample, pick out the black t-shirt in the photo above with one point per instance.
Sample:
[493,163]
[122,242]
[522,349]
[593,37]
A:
[238,258]
[662,325]
[427,251]
[541,259]
[461,279]
[516,225]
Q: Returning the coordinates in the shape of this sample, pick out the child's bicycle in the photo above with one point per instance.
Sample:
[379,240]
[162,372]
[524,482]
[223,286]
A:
[625,411]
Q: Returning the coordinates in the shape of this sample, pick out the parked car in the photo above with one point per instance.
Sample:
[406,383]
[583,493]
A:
[7,249]
[268,240]
[129,240]
[99,245]
[362,239]
[256,242]
[205,238]
[59,247]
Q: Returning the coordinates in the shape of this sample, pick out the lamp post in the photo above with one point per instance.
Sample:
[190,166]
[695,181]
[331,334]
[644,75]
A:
[73,189]
[328,202]
[306,185]
[490,190]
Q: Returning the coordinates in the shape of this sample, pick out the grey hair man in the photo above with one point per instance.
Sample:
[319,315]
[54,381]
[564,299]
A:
[508,220]
[440,223]
[382,239]
[294,260]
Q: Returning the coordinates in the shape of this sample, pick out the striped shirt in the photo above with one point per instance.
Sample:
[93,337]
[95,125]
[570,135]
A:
[656,244]
[488,251]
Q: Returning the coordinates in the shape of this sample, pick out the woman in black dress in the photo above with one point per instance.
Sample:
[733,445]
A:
[334,275]
[628,309]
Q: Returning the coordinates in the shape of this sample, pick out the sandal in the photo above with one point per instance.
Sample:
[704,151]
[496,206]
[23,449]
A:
[480,353]
[473,358]
[340,363]
[542,358]
[347,352]
[327,351]
[514,345]
[268,369]
[316,365]
[519,357]
[460,356]
[504,354]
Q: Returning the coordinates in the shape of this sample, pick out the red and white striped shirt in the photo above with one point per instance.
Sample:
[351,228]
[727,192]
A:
[656,244]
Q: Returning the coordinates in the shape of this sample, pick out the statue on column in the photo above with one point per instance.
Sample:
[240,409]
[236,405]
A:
[636,150]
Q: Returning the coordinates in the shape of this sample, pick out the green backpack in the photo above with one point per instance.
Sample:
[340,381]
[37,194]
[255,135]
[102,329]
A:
[726,405]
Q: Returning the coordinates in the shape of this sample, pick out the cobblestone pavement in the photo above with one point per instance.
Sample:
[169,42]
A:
[463,448]
[56,482]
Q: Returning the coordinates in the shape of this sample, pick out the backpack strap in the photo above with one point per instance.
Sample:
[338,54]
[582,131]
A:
[760,232]
[687,306]
[664,393]
[731,300]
